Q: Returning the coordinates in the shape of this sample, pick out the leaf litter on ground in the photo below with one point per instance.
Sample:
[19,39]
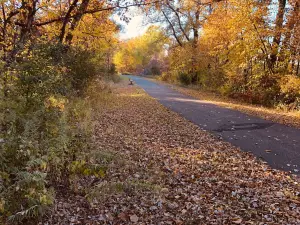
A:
[163,169]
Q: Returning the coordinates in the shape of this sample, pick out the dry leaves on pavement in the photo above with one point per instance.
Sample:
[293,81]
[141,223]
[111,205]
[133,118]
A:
[162,169]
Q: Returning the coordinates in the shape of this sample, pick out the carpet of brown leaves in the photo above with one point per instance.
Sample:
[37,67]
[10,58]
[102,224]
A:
[162,169]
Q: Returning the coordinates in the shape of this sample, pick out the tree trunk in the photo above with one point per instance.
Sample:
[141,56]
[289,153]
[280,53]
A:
[290,29]
[27,15]
[278,31]
[76,20]
[66,20]
[196,28]
[291,24]
[179,22]
[195,46]
[173,29]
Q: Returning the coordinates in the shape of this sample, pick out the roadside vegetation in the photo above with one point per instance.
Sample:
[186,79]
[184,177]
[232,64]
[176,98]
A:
[56,59]
[246,50]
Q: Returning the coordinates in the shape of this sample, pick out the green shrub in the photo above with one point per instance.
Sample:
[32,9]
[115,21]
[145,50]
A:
[33,128]
[155,70]
[184,78]
[82,69]
[46,125]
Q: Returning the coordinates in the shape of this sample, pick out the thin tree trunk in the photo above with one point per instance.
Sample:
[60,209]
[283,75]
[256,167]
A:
[291,24]
[76,20]
[66,20]
[179,22]
[286,44]
[27,14]
[278,31]
[196,28]
[173,29]
[195,46]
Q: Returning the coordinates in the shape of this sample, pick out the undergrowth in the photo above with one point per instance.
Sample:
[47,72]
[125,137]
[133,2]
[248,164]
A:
[47,107]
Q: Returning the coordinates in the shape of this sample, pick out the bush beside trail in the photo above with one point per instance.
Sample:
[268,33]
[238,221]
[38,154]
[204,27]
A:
[46,127]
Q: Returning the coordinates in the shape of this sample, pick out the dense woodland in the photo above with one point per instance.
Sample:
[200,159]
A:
[56,57]
[245,49]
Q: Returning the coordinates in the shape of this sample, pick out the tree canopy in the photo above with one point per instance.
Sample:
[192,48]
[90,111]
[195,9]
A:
[134,55]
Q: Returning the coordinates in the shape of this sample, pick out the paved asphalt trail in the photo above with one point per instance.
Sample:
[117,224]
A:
[247,132]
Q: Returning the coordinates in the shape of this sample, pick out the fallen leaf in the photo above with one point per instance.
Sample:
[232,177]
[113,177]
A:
[237,220]
[134,218]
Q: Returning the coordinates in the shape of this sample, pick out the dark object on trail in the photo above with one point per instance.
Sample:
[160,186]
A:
[130,82]
[243,126]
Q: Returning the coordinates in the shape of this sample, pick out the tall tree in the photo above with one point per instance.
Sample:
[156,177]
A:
[278,30]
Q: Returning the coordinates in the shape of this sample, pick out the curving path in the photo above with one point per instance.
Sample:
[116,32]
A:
[277,144]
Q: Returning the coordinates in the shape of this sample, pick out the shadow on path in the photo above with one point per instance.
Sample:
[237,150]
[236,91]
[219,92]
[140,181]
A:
[277,144]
